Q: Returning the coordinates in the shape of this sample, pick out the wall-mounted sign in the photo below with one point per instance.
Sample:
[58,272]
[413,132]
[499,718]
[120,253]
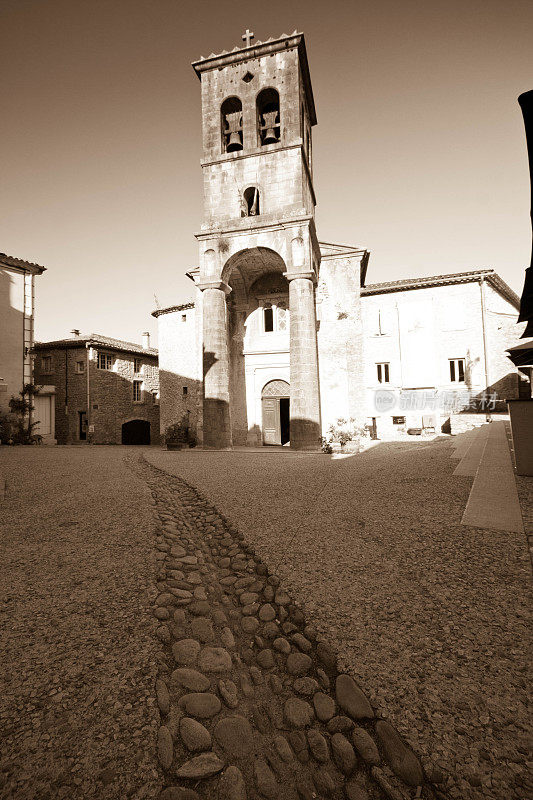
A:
[91,428]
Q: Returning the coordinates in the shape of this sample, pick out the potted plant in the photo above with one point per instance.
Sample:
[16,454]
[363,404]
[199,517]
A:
[177,435]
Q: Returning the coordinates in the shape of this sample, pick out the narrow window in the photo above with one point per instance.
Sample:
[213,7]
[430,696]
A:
[137,364]
[80,367]
[251,202]
[155,398]
[46,364]
[268,118]
[185,391]
[137,391]
[281,317]
[383,372]
[268,316]
[231,123]
[457,370]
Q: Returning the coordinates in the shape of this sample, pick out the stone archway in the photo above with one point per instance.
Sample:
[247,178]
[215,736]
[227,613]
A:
[136,431]
[275,402]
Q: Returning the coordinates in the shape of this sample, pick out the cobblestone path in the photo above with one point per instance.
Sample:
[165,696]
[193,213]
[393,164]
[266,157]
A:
[251,703]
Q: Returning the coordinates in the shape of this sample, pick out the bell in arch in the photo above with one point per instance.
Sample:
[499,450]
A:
[234,132]
[270,127]
[234,142]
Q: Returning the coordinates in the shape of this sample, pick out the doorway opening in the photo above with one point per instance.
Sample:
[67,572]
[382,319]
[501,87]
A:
[276,413]
[82,428]
[137,431]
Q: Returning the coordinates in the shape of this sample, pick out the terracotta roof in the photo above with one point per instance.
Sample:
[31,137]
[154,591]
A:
[160,311]
[96,339]
[444,280]
[19,263]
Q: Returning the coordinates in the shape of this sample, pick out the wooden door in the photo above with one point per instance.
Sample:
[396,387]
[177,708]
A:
[271,421]
[42,414]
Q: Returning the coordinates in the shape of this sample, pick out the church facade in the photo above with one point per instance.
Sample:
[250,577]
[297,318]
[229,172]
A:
[271,350]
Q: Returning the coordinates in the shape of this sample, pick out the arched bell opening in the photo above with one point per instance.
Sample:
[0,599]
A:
[231,125]
[275,402]
[268,117]
[251,207]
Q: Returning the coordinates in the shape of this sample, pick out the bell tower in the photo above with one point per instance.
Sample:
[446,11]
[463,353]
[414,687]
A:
[257,115]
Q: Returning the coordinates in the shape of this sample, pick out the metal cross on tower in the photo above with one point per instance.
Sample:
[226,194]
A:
[247,37]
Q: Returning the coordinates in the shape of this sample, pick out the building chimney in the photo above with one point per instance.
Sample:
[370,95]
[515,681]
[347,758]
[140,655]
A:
[75,332]
[146,340]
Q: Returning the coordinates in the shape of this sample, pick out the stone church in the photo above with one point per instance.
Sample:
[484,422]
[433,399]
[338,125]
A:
[271,351]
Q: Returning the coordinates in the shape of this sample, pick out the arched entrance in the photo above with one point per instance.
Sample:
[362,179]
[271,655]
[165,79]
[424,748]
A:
[276,412]
[136,431]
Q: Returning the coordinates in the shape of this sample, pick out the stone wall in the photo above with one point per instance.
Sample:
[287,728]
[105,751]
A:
[340,340]
[180,347]
[70,388]
[11,336]
[112,393]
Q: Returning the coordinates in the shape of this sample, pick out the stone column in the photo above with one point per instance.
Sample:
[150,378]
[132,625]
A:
[305,395]
[217,422]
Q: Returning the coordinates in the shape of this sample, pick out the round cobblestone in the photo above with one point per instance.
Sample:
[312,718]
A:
[190,679]
[298,713]
[193,734]
[231,785]
[203,766]
[201,704]
[318,745]
[186,652]
[214,659]
[234,735]
[365,746]
[267,613]
[298,664]
[343,753]
[228,692]
[202,629]
[165,747]
[324,706]
[351,699]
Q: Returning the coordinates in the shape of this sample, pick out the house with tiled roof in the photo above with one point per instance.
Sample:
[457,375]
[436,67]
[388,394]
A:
[17,307]
[442,336]
[106,390]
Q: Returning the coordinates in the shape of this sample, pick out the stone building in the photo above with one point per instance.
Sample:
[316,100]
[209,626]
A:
[17,308]
[106,390]
[271,350]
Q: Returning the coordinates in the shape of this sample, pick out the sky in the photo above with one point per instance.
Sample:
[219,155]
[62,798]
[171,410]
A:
[419,152]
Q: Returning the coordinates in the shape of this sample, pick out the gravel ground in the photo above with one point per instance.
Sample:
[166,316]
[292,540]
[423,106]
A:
[77,712]
[428,615]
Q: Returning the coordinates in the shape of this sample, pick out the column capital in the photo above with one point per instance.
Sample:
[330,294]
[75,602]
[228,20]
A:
[203,285]
[308,275]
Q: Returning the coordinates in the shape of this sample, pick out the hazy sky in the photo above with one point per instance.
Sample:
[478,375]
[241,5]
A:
[419,152]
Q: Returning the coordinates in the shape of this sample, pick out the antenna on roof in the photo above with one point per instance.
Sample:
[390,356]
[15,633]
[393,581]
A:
[157,302]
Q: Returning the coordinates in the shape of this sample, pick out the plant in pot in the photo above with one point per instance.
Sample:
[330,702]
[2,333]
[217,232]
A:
[345,436]
[177,435]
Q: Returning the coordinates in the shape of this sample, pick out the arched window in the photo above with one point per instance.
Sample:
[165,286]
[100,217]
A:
[231,123]
[251,202]
[268,120]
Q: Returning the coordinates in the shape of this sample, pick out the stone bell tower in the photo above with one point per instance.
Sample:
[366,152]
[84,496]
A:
[257,115]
